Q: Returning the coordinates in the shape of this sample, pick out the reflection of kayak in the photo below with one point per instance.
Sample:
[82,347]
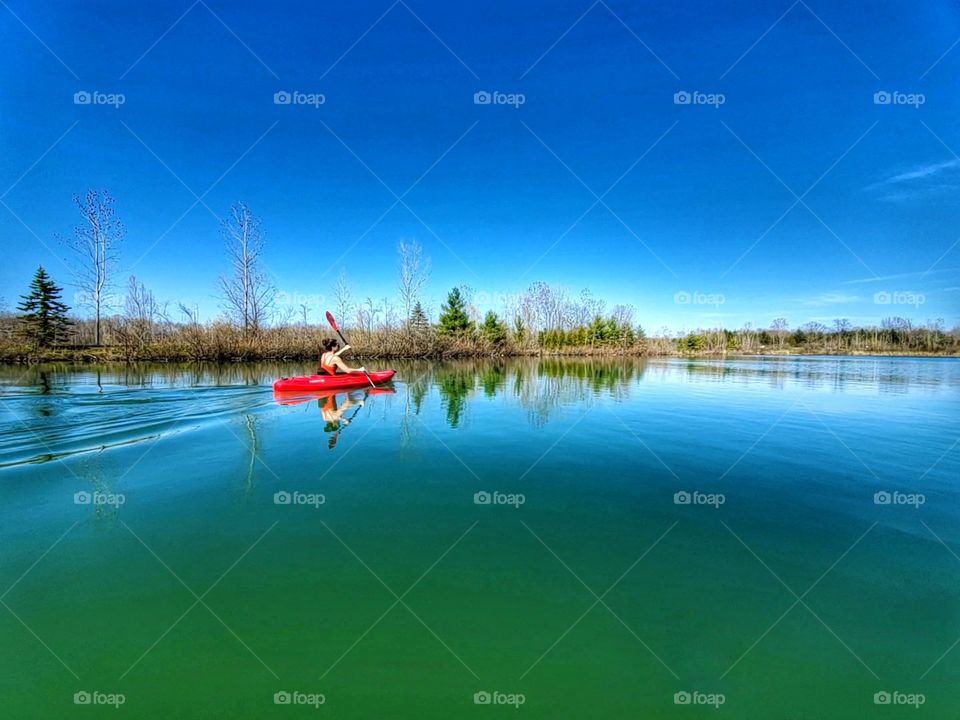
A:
[339,382]
[296,397]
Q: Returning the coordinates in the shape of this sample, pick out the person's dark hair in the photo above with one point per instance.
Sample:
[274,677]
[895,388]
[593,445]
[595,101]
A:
[329,344]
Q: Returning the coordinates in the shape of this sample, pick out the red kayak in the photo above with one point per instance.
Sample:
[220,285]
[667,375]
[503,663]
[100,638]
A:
[333,382]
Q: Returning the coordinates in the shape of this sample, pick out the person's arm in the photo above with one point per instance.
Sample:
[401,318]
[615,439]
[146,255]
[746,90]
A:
[342,350]
[338,362]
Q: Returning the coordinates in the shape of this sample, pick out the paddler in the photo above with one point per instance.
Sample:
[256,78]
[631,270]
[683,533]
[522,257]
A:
[330,360]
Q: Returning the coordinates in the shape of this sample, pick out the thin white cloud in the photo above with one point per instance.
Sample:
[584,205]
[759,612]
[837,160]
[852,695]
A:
[830,298]
[899,276]
[913,194]
[915,175]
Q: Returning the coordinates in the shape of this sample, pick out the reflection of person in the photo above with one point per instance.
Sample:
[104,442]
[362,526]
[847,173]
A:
[332,414]
[330,360]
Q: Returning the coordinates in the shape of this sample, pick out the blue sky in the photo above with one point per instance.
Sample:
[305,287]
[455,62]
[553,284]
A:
[782,189]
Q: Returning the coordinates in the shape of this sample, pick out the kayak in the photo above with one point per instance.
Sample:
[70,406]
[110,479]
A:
[331,382]
[298,397]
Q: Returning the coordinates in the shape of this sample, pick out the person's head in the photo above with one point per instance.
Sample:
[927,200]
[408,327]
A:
[330,345]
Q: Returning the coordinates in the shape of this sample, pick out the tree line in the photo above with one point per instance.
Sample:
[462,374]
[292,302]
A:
[256,325]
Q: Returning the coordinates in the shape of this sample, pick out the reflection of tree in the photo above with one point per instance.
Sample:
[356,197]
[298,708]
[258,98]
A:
[889,375]
[92,471]
[565,381]
[454,387]
[539,385]
[415,390]
[418,391]
[600,375]
[254,449]
[492,379]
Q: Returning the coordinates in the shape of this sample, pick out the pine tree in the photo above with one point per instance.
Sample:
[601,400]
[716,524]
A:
[519,329]
[453,315]
[493,330]
[418,320]
[43,317]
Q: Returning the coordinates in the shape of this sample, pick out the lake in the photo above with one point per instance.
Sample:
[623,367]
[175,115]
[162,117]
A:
[757,537]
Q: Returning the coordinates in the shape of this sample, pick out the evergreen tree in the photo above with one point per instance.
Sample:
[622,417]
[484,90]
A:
[453,315]
[418,320]
[519,329]
[43,317]
[493,330]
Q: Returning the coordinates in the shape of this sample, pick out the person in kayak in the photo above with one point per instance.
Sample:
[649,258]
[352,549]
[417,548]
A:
[330,360]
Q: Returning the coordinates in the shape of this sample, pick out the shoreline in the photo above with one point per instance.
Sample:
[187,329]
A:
[94,355]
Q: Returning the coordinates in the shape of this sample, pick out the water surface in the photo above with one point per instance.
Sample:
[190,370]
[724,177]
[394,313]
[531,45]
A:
[594,536]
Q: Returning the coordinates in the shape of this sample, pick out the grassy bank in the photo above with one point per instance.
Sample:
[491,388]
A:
[222,342]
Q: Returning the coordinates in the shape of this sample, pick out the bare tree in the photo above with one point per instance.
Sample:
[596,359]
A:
[780,330]
[414,272]
[343,298]
[191,315]
[247,292]
[623,315]
[841,326]
[140,303]
[95,244]
[142,316]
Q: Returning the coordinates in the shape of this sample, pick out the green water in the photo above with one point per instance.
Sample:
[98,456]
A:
[583,588]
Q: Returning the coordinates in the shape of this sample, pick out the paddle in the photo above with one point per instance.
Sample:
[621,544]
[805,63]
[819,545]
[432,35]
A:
[333,324]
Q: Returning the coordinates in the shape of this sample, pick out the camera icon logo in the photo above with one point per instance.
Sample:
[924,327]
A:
[681,298]
[482,98]
[882,97]
[881,698]
[82,98]
[681,698]
[282,98]
[282,698]
[681,498]
[882,298]
[482,498]
[282,498]
[481,698]
[82,498]
[682,98]
[882,498]
[82,698]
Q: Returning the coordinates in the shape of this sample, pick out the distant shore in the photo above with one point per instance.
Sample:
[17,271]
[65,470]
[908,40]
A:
[93,355]
[125,340]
